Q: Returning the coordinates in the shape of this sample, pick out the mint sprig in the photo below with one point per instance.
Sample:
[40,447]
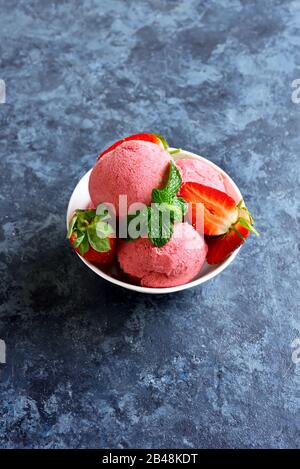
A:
[161,223]
[158,220]
[168,193]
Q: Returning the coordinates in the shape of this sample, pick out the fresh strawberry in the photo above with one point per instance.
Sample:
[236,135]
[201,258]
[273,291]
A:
[92,236]
[96,257]
[214,208]
[225,223]
[220,247]
[154,138]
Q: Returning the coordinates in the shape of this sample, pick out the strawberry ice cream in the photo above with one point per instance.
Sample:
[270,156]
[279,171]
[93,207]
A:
[175,263]
[139,169]
[134,169]
[199,171]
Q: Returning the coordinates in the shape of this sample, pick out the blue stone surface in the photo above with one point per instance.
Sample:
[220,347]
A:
[92,365]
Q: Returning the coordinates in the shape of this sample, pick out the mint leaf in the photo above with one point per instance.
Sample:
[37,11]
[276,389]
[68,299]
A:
[160,196]
[78,240]
[161,233]
[179,208]
[160,242]
[158,220]
[71,226]
[174,180]
[171,188]
[84,245]
[161,221]
[137,223]
[97,243]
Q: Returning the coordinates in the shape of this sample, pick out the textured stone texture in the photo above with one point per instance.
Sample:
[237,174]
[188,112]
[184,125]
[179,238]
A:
[92,365]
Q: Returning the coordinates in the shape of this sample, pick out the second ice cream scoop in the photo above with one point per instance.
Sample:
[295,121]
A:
[176,263]
[199,171]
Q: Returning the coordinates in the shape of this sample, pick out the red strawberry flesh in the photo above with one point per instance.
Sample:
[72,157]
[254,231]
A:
[215,208]
[153,138]
[220,247]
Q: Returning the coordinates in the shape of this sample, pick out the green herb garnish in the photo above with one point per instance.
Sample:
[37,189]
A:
[157,221]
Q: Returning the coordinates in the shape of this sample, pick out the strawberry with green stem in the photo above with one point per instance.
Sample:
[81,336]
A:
[92,236]
[220,247]
[225,223]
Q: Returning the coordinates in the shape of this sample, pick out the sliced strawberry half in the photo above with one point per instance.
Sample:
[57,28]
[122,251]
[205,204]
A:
[153,138]
[92,236]
[220,247]
[211,210]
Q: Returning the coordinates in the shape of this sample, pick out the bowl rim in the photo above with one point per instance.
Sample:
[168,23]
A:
[208,276]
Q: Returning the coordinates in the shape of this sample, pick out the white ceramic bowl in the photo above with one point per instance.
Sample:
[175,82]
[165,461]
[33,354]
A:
[80,199]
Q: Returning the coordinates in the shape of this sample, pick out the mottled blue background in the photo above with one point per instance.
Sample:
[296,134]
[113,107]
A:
[92,365]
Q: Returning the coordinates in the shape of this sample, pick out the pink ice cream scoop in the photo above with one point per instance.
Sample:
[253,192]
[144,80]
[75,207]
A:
[199,171]
[176,263]
[134,169]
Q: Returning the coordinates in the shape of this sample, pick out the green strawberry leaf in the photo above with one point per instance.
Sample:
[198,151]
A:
[81,223]
[84,217]
[173,152]
[97,243]
[79,239]
[87,214]
[247,225]
[84,245]
[163,140]
[91,230]
[71,226]
[103,229]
